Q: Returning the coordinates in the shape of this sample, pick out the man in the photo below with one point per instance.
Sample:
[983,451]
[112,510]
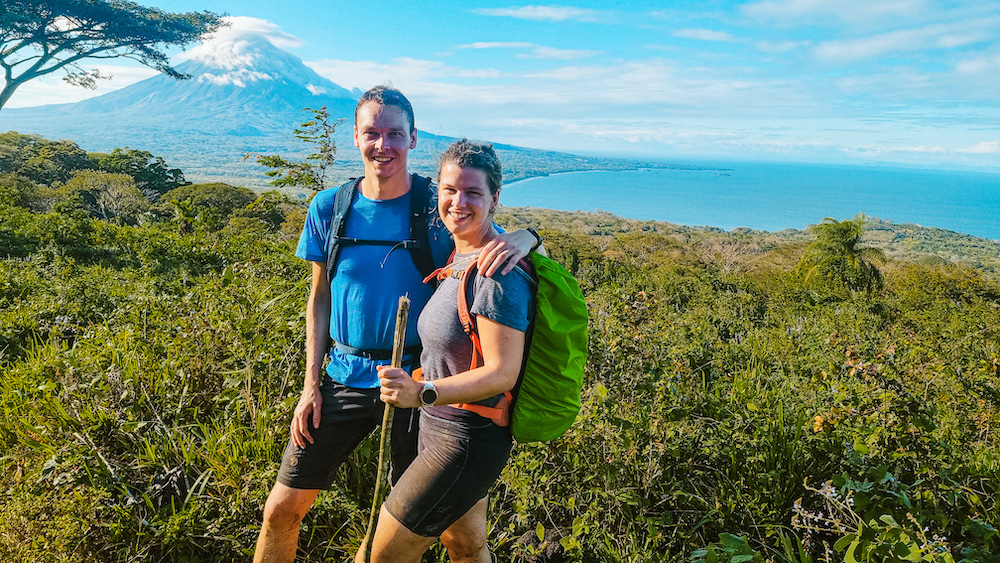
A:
[355,306]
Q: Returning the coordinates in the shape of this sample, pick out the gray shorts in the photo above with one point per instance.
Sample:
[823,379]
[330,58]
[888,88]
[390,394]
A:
[456,465]
[349,415]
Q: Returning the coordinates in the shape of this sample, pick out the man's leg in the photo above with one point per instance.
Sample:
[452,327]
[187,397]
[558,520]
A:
[393,543]
[279,534]
[466,538]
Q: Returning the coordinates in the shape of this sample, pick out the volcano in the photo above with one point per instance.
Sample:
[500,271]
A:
[244,97]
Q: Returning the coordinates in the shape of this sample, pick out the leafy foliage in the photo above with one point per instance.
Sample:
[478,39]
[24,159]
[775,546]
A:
[109,196]
[835,257]
[40,160]
[150,376]
[150,173]
[311,172]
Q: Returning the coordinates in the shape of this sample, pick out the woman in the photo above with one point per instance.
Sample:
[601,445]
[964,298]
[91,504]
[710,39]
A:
[461,454]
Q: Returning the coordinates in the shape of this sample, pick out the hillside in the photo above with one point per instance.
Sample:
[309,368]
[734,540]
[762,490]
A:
[741,247]
[733,408]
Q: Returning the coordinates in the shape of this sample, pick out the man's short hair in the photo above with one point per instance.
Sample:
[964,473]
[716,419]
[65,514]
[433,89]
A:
[386,96]
[472,154]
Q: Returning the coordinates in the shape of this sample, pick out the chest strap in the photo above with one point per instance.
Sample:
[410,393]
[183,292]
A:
[376,355]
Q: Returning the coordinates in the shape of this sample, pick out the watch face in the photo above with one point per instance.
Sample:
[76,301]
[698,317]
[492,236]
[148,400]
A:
[429,394]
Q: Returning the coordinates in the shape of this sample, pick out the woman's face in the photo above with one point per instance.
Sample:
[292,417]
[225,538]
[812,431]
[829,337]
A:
[464,202]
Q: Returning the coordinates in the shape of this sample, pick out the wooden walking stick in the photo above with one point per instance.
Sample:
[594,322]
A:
[384,446]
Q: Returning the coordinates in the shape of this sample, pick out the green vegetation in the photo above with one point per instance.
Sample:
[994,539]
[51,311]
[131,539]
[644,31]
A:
[733,412]
[310,173]
[151,175]
[835,259]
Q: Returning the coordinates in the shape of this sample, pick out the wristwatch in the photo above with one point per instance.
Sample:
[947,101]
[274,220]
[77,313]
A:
[428,395]
[538,239]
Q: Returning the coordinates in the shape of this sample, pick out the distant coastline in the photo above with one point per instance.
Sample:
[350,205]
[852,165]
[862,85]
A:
[771,196]
[640,167]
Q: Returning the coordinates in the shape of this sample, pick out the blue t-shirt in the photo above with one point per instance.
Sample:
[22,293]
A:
[368,280]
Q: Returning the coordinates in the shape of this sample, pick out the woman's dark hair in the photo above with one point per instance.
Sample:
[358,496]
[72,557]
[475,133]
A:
[472,154]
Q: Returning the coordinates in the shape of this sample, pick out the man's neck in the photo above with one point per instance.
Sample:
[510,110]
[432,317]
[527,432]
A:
[373,187]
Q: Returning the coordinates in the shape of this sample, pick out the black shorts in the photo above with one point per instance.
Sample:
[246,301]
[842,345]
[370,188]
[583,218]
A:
[454,469]
[348,416]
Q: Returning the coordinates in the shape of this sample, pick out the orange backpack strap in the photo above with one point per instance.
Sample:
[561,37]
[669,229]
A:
[500,413]
[466,317]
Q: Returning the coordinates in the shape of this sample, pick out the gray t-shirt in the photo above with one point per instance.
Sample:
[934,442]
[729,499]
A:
[447,349]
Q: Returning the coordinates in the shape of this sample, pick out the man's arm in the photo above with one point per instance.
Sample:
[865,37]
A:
[506,250]
[317,343]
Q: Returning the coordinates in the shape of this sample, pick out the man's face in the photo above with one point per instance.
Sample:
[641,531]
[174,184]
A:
[384,137]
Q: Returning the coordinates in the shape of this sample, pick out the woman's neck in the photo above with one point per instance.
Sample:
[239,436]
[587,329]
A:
[465,245]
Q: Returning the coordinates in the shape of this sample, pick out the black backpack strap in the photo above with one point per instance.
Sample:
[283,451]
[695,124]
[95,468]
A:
[420,213]
[419,244]
[338,223]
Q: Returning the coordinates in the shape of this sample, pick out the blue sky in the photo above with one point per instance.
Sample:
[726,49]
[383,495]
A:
[857,81]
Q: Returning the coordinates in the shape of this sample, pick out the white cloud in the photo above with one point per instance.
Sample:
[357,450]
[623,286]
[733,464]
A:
[985,147]
[241,27]
[983,64]
[543,13]
[412,76]
[554,54]
[705,35]
[536,51]
[780,46]
[868,47]
[249,50]
[950,35]
[884,149]
[824,12]
[497,45]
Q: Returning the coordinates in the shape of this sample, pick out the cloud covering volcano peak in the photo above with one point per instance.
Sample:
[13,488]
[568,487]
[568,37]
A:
[249,51]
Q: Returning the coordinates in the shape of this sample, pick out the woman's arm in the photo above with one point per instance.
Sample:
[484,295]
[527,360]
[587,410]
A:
[503,351]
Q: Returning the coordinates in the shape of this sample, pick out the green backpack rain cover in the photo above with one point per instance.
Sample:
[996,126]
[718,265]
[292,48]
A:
[546,399]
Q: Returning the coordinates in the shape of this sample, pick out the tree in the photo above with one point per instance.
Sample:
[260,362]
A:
[43,161]
[311,172]
[114,196]
[150,173]
[41,37]
[836,257]
[16,190]
[219,196]
[57,162]
[185,213]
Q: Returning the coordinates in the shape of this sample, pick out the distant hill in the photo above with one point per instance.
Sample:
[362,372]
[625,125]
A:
[246,96]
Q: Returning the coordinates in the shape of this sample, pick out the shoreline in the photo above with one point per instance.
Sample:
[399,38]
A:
[644,168]
[741,199]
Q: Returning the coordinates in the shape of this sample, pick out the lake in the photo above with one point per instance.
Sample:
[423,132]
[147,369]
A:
[775,196]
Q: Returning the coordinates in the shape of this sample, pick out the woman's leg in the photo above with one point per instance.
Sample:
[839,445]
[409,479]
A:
[466,538]
[393,543]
